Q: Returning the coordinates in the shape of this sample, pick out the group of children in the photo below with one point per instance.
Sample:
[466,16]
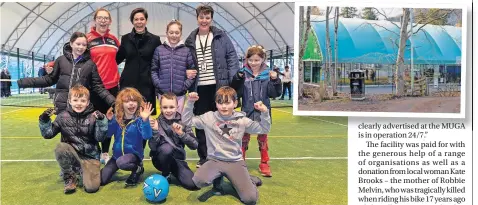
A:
[227,133]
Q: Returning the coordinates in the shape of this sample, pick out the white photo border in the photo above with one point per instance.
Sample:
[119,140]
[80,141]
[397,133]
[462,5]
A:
[464,69]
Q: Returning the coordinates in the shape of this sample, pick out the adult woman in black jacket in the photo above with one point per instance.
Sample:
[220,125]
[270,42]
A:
[73,67]
[138,48]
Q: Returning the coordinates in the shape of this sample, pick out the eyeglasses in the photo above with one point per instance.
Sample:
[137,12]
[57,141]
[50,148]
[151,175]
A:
[103,18]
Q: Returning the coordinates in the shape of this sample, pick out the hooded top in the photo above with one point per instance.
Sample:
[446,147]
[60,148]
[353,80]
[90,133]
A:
[168,68]
[81,130]
[68,72]
[224,134]
[129,140]
[258,88]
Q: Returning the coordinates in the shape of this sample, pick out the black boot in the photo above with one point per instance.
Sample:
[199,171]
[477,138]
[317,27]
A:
[135,176]
[216,186]
[70,183]
[256,180]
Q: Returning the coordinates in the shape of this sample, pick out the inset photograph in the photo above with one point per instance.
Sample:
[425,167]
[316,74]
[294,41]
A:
[377,61]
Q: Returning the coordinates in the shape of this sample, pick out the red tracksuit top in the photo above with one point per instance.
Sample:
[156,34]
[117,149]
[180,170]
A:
[103,51]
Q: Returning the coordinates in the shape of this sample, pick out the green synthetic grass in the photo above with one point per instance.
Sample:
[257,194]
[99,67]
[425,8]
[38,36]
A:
[295,180]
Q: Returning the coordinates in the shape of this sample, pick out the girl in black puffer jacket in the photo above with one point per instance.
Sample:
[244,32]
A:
[73,67]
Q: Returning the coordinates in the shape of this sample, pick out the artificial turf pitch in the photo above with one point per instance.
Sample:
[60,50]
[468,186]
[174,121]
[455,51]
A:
[308,163]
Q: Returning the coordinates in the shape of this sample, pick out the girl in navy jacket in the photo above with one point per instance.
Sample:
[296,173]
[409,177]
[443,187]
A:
[260,84]
[169,65]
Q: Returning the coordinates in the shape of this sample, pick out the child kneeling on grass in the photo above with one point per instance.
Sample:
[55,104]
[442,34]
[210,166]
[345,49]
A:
[81,129]
[129,125]
[168,142]
[224,131]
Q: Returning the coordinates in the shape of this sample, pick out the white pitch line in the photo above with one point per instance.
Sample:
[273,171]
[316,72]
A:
[192,159]
[336,123]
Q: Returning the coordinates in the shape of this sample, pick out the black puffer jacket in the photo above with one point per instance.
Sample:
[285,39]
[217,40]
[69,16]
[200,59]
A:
[81,130]
[84,73]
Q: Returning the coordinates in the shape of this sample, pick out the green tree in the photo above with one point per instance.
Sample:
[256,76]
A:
[348,12]
[369,14]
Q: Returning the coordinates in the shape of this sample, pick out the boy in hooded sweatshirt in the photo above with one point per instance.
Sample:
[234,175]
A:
[224,130]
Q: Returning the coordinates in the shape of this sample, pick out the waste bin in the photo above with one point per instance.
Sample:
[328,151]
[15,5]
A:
[357,85]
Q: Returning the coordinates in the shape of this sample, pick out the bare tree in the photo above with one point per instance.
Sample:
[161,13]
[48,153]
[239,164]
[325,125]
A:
[303,44]
[328,57]
[399,82]
[336,48]
[433,17]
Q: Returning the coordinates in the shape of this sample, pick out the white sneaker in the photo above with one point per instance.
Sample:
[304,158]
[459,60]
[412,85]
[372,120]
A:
[104,158]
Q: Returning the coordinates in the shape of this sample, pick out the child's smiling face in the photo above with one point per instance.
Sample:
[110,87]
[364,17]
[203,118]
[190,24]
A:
[225,107]
[79,104]
[255,62]
[130,106]
[169,107]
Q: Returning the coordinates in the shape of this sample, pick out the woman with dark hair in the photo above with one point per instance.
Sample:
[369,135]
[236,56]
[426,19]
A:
[137,48]
[217,63]
[73,67]
[104,46]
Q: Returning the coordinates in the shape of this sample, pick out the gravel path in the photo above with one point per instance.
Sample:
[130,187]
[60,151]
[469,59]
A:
[377,103]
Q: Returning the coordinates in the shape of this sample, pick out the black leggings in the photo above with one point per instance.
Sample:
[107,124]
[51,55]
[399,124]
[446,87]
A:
[205,104]
[163,159]
[127,162]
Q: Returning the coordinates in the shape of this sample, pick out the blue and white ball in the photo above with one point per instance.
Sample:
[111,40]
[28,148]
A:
[156,188]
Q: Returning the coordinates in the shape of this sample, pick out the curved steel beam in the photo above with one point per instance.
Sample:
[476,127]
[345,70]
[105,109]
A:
[29,23]
[18,31]
[184,7]
[235,23]
[81,23]
[269,27]
[53,27]
[254,17]
[288,6]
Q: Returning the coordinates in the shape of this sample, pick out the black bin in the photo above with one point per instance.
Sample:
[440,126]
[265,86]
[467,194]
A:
[357,85]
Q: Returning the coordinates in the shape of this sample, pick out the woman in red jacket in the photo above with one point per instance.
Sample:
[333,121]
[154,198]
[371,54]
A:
[103,49]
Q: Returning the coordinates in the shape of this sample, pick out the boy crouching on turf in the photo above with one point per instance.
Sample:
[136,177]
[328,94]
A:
[81,130]
[224,130]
